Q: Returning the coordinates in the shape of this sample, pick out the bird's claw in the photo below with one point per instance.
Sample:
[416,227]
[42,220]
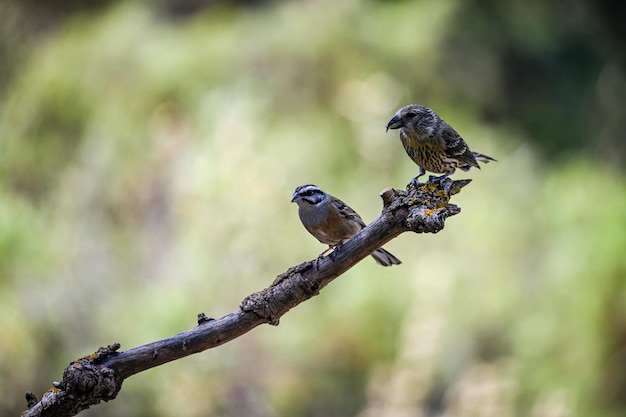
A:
[335,249]
[321,255]
[440,178]
[415,183]
[316,262]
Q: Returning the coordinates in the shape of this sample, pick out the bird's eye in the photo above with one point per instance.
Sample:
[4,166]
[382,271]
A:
[411,114]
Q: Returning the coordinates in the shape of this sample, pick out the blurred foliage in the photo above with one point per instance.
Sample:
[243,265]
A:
[149,151]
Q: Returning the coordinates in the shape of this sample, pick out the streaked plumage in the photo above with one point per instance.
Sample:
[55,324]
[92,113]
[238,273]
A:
[432,143]
[331,221]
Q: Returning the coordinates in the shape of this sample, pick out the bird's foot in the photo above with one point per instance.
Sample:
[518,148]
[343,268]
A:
[335,249]
[321,255]
[414,183]
[316,262]
[441,179]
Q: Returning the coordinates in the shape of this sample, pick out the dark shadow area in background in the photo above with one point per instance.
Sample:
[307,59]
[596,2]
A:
[550,56]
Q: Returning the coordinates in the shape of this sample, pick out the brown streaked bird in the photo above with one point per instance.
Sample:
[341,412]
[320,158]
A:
[432,143]
[331,221]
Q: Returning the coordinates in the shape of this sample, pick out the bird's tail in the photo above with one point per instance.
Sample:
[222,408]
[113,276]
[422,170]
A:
[385,258]
[483,158]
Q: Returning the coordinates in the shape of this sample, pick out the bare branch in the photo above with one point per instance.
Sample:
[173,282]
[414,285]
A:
[98,377]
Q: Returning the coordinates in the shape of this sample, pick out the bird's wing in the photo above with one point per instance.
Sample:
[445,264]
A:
[346,211]
[456,146]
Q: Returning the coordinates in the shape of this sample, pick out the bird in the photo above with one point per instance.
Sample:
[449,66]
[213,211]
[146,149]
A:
[331,221]
[432,143]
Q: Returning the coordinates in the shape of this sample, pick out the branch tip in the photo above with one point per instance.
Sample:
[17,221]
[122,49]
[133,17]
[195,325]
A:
[388,194]
[31,399]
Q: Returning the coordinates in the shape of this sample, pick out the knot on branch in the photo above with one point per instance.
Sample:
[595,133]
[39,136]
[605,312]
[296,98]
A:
[428,203]
[203,318]
[272,302]
[85,383]
[85,380]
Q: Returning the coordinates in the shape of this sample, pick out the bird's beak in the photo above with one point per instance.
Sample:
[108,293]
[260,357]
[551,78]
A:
[296,198]
[395,123]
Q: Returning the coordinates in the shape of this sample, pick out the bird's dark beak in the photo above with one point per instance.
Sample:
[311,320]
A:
[296,198]
[395,123]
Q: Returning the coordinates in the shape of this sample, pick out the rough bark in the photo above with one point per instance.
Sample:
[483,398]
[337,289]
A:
[99,376]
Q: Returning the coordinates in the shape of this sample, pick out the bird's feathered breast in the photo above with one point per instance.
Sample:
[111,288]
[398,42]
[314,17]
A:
[331,222]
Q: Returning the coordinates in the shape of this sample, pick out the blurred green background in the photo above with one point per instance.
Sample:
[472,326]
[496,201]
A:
[149,150]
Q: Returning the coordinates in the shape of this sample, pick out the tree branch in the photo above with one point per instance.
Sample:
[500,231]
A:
[99,376]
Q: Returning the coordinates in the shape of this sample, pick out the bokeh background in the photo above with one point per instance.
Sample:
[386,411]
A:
[149,150]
